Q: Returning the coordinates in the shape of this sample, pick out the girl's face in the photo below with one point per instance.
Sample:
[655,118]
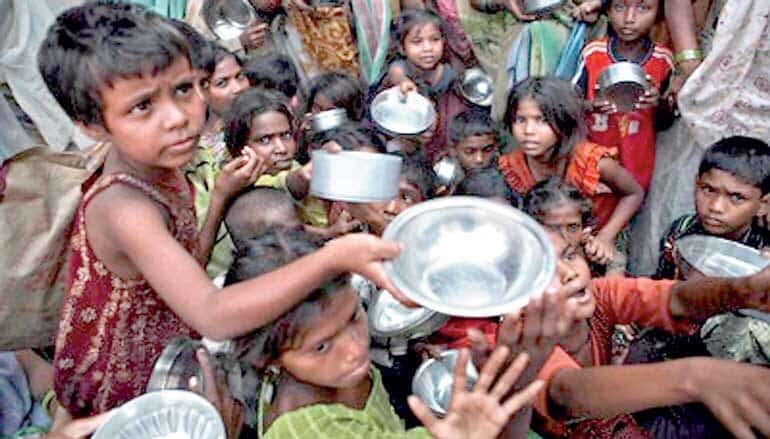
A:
[272,138]
[227,82]
[334,353]
[566,219]
[573,275]
[532,131]
[424,46]
[378,215]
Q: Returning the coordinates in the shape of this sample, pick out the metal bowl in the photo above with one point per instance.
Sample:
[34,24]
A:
[477,87]
[470,257]
[402,115]
[718,257]
[448,172]
[539,7]
[228,19]
[165,414]
[434,379]
[389,318]
[623,83]
[329,119]
[176,365]
[354,176]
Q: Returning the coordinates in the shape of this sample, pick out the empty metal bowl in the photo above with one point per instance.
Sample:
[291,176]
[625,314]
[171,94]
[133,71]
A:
[434,379]
[358,177]
[448,172]
[327,120]
[165,414]
[176,365]
[718,257]
[228,18]
[402,115]
[470,257]
[389,318]
[539,7]
[622,84]
[477,87]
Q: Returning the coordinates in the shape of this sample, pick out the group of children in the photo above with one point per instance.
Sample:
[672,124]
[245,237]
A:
[200,223]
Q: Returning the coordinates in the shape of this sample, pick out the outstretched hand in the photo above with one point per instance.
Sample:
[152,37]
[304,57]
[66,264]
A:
[484,411]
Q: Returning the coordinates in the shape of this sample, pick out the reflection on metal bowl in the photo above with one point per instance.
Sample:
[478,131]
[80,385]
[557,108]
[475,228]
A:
[176,365]
[353,176]
[540,7]
[402,115]
[327,120]
[448,172]
[622,84]
[389,318]
[477,87]
[434,379]
[228,19]
[470,257]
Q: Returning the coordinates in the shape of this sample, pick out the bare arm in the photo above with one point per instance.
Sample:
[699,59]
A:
[680,17]
[702,297]
[631,194]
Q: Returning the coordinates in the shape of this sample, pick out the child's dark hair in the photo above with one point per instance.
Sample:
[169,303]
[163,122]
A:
[487,183]
[251,103]
[88,46]
[273,71]
[201,50]
[411,18]
[473,122]
[417,173]
[350,136]
[554,191]
[253,212]
[220,53]
[746,158]
[560,104]
[340,88]
[263,254]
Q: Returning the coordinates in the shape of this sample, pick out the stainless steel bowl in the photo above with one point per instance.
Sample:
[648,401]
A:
[434,379]
[166,414]
[358,177]
[468,256]
[539,7]
[402,115]
[477,87]
[389,318]
[176,365]
[448,172]
[623,83]
[718,257]
[329,119]
[228,18]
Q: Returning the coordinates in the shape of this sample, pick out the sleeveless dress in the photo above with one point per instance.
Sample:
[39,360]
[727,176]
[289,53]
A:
[113,329]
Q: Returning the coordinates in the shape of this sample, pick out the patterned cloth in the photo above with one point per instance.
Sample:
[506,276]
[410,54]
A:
[633,132]
[582,171]
[113,329]
[377,420]
[372,20]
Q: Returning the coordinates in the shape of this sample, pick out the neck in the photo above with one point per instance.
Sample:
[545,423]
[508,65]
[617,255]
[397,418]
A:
[115,162]
[299,393]
[630,50]
[738,234]
[578,342]
[431,76]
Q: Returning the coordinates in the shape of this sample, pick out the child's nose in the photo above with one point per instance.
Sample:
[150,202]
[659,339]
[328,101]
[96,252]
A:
[630,15]
[479,157]
[566,272]
[718,204]
[175,117]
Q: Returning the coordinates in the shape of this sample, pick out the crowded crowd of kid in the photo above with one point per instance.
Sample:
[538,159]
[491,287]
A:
[200,223]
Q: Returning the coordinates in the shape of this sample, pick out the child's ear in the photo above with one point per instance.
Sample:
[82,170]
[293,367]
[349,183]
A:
[94,130]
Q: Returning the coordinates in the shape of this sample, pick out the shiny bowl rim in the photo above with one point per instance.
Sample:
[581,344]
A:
[720,241]
[385,95]
[539,285]
[472,73]
[406,332]
[335,116]
[541,9]
[624,67]
[166,360]
[209,8]
[420,372]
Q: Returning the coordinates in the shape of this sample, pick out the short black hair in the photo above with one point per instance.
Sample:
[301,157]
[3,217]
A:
[473,122]
[89,46]
[350,136]
[411,18]
[248,104]
[340,88]
[257,210]
[221,53]
[554,191]
[746,158]
[273,71]
[417,173]
[201,50]
[487,183]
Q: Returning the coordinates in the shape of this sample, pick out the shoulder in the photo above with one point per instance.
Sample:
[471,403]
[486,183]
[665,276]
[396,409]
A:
[684,225]
[595,47]
[318,421]
[663,54]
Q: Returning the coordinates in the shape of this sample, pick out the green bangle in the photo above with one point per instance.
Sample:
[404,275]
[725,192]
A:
[688,55]
[46,402]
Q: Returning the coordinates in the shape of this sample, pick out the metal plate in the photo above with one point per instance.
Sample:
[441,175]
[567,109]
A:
[622,84]
[228,19]
[539,7]
[164,414]
[176,365]
[477,87]
[469,257]
[401,115]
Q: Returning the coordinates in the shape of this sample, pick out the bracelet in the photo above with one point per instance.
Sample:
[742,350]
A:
[688,55]
[46,402]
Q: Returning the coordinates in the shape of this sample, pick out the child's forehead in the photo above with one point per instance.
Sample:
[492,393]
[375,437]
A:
[148,77]
[423,29]
[727,181]
[478,139]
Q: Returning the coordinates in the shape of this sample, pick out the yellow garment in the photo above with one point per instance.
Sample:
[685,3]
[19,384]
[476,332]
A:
[311,210]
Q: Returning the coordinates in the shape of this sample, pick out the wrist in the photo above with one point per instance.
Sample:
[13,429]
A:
[690,378]
[688,55]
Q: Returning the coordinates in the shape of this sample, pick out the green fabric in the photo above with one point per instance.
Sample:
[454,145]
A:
[377,420]
[167,8]
[372,30]
[486,32]
[548,37]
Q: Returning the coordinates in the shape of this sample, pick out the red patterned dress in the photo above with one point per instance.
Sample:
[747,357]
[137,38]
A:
[112,329]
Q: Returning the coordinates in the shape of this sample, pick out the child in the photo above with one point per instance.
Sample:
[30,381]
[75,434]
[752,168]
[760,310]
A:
[633,132]
[561,207]
[202,56]
[473,140]
[545,118]
[336,90]
[227,82]
[275,71]
[488,183]
[319,382]
[255,211]
[136,280]
[578,389]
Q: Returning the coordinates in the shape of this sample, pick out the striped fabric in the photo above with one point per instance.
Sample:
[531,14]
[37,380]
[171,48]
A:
[337,421]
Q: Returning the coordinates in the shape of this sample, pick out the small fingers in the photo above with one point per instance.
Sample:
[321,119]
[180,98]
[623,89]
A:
[510,376]
[209,385]
[491,369]
[421,412]
[458,384]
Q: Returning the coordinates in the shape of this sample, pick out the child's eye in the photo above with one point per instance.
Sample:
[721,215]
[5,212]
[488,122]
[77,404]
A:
[264,140]
[489,149]
[540,119]
[573,228]
[240,75]
[619,7]
[184,88]
[286,135]
[570,256]
[518,119]
[220,83]
[737,198]
[141,107]
[322,347]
